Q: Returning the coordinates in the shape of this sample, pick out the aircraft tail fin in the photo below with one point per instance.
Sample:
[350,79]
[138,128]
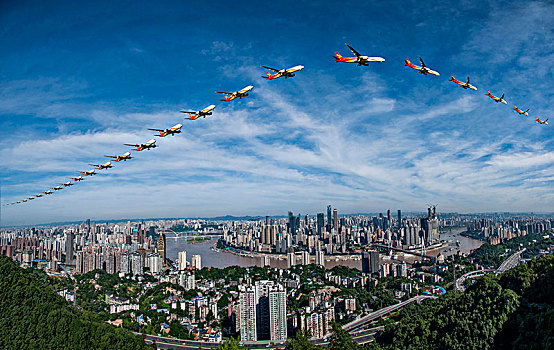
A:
[452,79]
[407,62]
[338,56]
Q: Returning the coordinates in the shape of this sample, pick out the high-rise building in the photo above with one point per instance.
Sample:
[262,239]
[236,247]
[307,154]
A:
[320,224]
[69,248]
[305,258]
[277,313]
[370,262]
[263,312]
[247,315]
[336,220]
[320,258]
[291,259]
[430,227]
[293,223]
[136,263]
[399,223]
[161,247]
[266,260]
[125,265]
[196,262]
[155,263]
[329,218]
[182,260]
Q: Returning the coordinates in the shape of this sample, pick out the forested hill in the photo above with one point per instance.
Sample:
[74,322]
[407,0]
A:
[32,316]
[511,311]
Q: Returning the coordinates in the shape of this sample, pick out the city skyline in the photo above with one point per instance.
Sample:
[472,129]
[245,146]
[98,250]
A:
[314,215]
[362,138]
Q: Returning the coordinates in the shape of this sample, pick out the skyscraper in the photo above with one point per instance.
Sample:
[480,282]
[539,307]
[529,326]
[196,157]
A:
[248,331]
[161,247]
[69,248]
[370,262]
[430,226]
[196,262]
[292,223]
[336,220]
[329,219]
[320,258]
[320,224]
[136,263]
[277,313]
[399,223]
[182,260]
[263,312]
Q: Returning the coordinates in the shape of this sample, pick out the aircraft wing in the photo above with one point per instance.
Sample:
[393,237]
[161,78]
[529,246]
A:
[273,69]
[130,144]
[189,112]
[353,51]
[223,92]
[155,130]
[421,60]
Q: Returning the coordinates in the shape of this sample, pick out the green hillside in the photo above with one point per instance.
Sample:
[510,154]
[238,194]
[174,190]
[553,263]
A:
[511,311]
[32,316]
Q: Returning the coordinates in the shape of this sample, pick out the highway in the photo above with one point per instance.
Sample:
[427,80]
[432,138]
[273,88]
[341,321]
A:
[382,312]
[382,246]
[360,337]
[511,262]
[506,265]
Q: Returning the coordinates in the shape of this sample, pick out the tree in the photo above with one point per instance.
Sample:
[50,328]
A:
[230,344]
[341,339]
[301,342]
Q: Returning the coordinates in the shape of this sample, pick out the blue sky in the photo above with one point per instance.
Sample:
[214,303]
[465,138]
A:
[79,80]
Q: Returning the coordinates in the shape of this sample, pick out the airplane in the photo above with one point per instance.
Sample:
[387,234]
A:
[465,85]
[202,113]
[103,166]
[57,188]
[359,59]
[18,202]
[496,99]
[143,146]
[124,157]
[47,192]
[423,69]
[287,73]
[232,95]
[24,200]
[30,198]
[38,195]
[89,172]
[520,111]
[171,131]
[545,122]
[67,184]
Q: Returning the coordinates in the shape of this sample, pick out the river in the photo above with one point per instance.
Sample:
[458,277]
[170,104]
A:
[220,259]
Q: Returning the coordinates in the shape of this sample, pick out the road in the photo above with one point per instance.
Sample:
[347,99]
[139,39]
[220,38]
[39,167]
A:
[360,337]
[382,312]
[506,265]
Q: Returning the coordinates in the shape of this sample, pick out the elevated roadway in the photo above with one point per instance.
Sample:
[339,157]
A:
[382,312]
[511,262]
